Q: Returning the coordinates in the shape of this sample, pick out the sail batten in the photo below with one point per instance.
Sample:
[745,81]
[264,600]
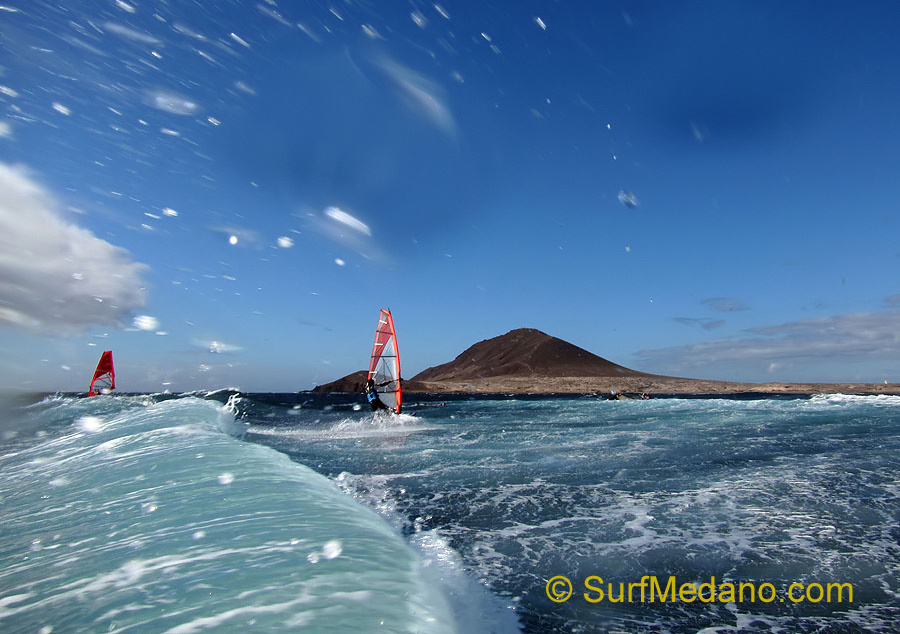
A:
[384,365]
[104,379]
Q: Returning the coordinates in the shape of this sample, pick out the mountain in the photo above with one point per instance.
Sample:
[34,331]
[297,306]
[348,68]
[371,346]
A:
[355,382]
[524,352]
[520,355]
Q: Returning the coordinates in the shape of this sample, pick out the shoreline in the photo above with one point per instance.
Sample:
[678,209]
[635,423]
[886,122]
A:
[651,385]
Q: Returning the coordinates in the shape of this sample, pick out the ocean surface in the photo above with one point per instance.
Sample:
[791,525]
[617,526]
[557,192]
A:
[280,512]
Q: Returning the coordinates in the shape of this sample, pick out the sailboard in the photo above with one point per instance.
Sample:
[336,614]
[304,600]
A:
[104,379]
[384,366]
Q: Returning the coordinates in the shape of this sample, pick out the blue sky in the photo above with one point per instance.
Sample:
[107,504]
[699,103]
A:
[226,193]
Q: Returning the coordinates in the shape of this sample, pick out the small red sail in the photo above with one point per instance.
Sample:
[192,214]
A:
[104,376]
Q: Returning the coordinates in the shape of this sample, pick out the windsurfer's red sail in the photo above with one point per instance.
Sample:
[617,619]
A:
[384,367]
[104,376]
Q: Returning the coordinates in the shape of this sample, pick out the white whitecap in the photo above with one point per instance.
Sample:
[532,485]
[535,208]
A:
[332,549]
[89,424]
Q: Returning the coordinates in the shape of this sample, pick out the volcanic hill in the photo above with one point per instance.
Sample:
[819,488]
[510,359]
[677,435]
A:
[521,360]
[524,352]
[352,383]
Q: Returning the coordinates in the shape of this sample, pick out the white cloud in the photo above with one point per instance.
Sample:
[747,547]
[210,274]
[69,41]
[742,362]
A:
[55,277]
[346,230]
[844,338]
[342,217]
[421,94]
[725,304]
[706,324]
[215,346]
[171,102]
[130,34]
[146,322]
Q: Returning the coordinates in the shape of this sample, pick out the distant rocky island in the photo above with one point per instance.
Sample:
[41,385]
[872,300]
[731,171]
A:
[528,361]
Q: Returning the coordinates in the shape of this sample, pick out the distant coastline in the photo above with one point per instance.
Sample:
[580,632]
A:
[655,387]
[528,361]
[651,386]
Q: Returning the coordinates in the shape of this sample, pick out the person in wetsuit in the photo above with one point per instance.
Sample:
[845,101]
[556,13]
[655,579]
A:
[372,396]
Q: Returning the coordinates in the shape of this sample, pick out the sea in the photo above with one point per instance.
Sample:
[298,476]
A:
[232,512]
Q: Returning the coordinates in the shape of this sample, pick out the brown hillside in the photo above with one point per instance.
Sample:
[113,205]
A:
[521,353]
[355,382]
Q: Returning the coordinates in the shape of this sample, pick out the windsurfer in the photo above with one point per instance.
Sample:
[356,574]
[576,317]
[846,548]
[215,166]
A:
[104,380]
[383,382]
[372,396]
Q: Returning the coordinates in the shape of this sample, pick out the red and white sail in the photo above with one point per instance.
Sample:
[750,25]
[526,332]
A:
[384,367]
[104,376]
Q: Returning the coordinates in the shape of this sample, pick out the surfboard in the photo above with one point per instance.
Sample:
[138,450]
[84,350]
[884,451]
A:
[104,379]
[384,365]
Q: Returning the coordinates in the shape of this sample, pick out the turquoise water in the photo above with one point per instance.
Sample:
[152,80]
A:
[162,513]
